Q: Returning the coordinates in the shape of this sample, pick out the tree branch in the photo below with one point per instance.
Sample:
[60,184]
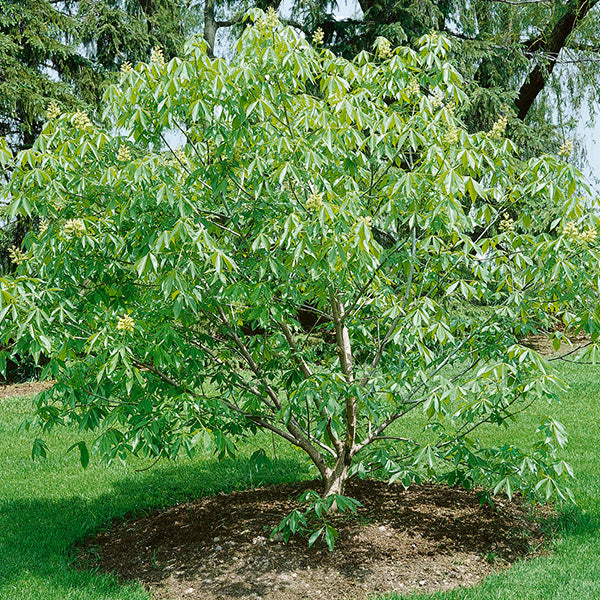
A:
[552,41]
[395,416]
[346,361]
[301,437]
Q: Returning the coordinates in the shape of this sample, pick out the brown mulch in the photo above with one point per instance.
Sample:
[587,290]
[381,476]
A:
[541,344]
[16,390]
[426,538]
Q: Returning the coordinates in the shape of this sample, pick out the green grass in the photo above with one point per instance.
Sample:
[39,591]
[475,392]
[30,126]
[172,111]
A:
[47,507]
[571,571]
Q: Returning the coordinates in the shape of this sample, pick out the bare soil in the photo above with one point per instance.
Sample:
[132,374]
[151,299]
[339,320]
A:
[541,344]
[17,390]
[426,538]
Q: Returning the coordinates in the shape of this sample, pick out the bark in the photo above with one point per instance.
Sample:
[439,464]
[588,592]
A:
[551,43]
[210,26]
[342,338]
[344,348]
[337,477]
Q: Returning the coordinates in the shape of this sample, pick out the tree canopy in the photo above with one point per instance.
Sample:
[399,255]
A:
[303,244]
[506,50]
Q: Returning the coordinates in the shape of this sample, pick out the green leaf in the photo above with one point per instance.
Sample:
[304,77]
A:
[39,449]
[315,536]
[330,536]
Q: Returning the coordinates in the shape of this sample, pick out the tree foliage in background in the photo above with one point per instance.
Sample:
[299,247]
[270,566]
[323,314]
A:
[302,244]
[64,52]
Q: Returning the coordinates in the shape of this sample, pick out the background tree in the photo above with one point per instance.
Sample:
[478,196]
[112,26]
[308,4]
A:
[65,51]
[183,238]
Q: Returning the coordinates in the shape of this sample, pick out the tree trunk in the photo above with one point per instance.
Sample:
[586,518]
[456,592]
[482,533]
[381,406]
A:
[210,27]
[337,477]
[148,9]
[551,43]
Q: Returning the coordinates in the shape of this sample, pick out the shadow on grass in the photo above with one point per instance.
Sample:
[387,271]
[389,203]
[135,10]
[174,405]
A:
[39,535]
[572,521]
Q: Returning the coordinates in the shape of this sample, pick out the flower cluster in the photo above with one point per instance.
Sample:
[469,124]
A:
[124,154]
[368,221]
[81,120]
[53,111]
[157,57]
[385,48]
[413,88]
[271,20]
[499,127]
[315,201]
[437,99]
[588,236]
[18,257]
[583,236]
[507,224]
[451,136]
[43,226]
[566,149]
[125,323]
[74,227]
[126,67]
[318,37]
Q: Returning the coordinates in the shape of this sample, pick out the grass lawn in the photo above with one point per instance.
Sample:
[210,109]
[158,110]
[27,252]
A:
[47,507]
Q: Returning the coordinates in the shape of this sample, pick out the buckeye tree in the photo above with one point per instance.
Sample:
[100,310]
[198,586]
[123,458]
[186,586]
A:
[303,244]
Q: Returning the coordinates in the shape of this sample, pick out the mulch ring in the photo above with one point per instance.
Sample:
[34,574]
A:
[540,343]
[426,538]
[18,390]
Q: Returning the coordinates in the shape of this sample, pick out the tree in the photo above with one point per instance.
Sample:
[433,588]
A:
[507,50]
[505,46]
[64,52]
[281,243]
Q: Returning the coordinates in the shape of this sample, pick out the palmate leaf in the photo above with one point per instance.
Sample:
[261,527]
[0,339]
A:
[84,455]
